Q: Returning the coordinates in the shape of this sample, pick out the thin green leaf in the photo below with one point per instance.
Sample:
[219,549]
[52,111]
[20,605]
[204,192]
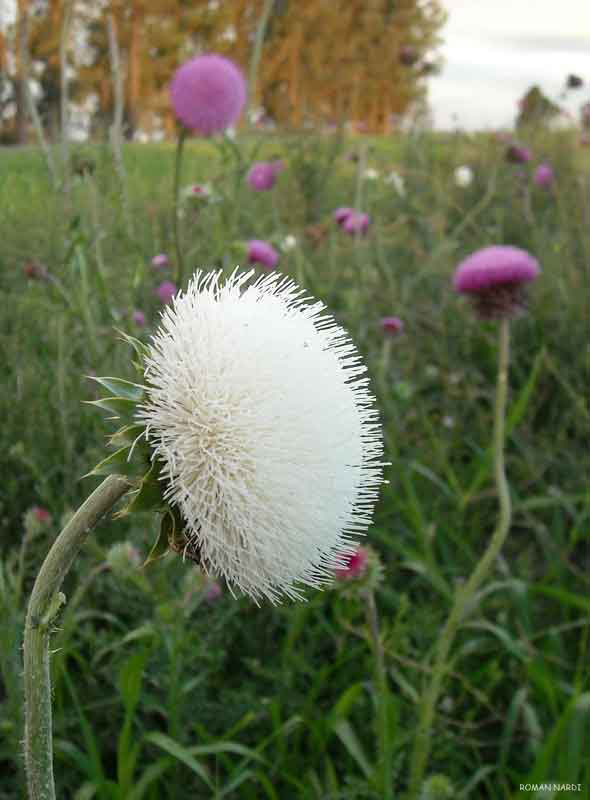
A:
[120,406]
[180,753]
[344,731]
[121,388]
[117,463]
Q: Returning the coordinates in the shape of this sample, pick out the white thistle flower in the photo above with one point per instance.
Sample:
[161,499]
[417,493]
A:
[463,176]
[289,243]
[397,181]
[259,412]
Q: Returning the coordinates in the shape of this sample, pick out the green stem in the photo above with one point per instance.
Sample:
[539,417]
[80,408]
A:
[465,594]
[257,52]
[382,691]
[177,163]
[44,604]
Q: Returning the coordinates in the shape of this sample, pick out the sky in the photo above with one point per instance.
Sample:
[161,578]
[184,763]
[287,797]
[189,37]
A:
[494,50]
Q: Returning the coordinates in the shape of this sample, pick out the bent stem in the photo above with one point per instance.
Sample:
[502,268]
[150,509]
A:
[464,594]
[177,163]
[44,604]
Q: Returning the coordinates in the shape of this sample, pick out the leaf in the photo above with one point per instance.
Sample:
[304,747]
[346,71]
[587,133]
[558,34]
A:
[121,406]
[117,463]
[162,543]
[128,434]
[345,732]
[180,753]
[121,388]
[149,495]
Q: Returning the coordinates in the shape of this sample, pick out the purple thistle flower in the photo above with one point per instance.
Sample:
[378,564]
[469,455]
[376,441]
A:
[262,253]
[166,291]
[517,154]
[543,175]
[213,591]
[160,261]
[342,213]
[138,318]
[263,174]
[494,278]
[393,325]
[208,93]
[356,223]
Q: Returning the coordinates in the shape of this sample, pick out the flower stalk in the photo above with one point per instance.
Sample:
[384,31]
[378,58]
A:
[177,164]
[46,600]
[464,594]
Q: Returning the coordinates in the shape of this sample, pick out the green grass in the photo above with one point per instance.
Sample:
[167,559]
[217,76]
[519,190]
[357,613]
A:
[158,694]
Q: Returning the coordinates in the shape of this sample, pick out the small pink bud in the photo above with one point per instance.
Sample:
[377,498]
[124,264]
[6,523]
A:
[166,291]
[392,325]
[139,318]
[160,261]
[356,564]
[41,514]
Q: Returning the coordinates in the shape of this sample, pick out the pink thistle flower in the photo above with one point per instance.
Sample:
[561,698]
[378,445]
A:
[356,223]
[35,271]
[166,291]
[517,154]
[393,325]
[543,175]
[160,261]
[138,318]
[494,278]
[208,93]
[262,253]
[213,592]
[356,564]
[342,213]
[41,514]
[263,174]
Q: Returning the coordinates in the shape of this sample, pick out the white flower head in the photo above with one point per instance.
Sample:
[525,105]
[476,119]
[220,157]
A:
[258,409]
[289,243]
[397,181]
[463,176]
[371,174]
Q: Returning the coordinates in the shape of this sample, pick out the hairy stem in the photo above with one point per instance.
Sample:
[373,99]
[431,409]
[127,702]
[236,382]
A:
[177,163]
[464,594]
[44,604]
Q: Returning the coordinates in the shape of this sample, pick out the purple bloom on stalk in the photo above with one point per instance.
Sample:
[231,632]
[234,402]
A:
[393,325]
[208,94]
[494,278]
[262,253]
[356,223]
[543,175]
[139,318]
[160,261]
[517,154]
[166,291]
[263,174]
[342,213]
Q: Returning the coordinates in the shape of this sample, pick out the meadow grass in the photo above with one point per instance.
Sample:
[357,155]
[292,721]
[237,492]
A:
[159,693]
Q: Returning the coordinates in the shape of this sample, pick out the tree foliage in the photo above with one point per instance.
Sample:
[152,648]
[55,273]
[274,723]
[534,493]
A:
[322,60]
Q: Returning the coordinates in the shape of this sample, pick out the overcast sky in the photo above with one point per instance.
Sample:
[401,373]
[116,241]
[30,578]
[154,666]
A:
[494,50]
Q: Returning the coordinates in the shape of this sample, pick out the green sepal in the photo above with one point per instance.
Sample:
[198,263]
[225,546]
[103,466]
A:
[141,349]
[128,434]
[162,543]
[121,388]
[149,495]
[118,463]
[120,406]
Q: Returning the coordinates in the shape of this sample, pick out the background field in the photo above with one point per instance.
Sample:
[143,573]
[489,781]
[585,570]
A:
[160,692]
